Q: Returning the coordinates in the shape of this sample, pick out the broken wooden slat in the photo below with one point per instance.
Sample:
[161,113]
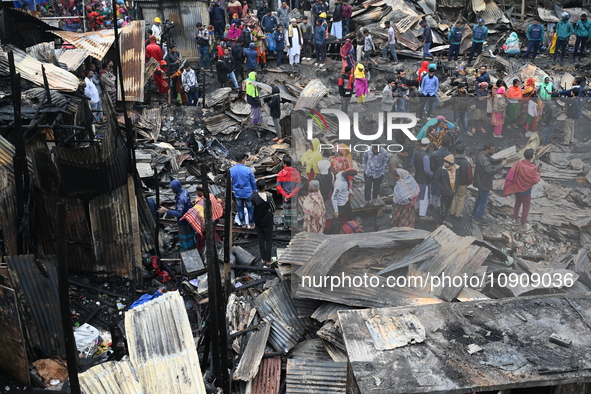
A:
[253,354]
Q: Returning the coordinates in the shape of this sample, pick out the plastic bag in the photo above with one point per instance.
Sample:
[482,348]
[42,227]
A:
[86,337]
[553,44]
[270,41]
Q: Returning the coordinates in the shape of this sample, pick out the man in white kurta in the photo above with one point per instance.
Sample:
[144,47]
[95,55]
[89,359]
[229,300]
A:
[294,42]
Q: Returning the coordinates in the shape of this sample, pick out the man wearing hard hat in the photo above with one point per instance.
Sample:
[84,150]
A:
[156,29]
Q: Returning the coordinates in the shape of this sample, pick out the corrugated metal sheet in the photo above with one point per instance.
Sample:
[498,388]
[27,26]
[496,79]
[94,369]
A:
[110,219]
[478,5]
[328,311]
[111,378]
[185,15]
[35,281]
[13,357]
[6,156]
[161,347]
[301,248]
[390,332]
[96,42]
[311,349]
[251,358]
[133,56]
[311,95]
[523,73]
[409,40]
[268,379]
[493,14]
[406,23]
[73,58]
[314,377]
[277,304]
[547,15]
[30,69]
[8,218]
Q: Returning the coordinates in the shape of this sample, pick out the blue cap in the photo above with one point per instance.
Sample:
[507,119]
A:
[480,20]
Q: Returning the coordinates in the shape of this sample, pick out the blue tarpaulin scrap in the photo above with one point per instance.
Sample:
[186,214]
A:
[145,298]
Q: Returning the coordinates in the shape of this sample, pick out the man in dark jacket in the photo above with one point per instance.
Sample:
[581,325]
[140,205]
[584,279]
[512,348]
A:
[275,111]
[251,58]
[436,161]
[307,32]
[269,22]
[217,16]
[427,39]
[460,107]
[238,56]
[319,44]
[337,17]
[573,112]
[202,37]
[423,175]
[346,14]
[346,88]
[262,11]
[463,180]
[264,206]
[483,177]
[222,70]
[445,179]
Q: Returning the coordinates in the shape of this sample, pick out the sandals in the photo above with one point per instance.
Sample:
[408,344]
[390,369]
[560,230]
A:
[483,130]
[426,218]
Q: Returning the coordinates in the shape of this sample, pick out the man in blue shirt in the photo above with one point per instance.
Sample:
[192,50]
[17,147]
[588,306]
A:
[183,204]
[429,89]
[455,39]
[582,30]
[564,29]
[479,34]
[243,185]
[535,35]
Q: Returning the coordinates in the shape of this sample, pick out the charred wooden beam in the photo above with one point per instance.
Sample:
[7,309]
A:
[217,328]
[64,297]
[228,237]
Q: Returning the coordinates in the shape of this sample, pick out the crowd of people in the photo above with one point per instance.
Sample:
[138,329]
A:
[98,15]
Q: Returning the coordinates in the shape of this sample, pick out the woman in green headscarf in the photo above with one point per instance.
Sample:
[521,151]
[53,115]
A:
[252,98]
[311,158]
[545,89]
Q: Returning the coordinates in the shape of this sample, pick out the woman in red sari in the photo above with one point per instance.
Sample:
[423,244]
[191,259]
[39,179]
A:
[521,178]
[347,55]
[160,78]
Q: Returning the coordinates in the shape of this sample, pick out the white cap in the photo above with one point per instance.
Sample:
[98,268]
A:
[293,20]
[425,141]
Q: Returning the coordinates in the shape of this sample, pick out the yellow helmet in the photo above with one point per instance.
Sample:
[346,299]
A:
[157,20]
[323,15]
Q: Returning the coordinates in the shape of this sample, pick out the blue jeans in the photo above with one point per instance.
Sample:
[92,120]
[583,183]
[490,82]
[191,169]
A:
[401,105]
[392,49]
[535,46]
[560,46]
[462,119]
[192,98]
[426,50]
[548,134]
[279,58]
[580,44]
[204,55]
[241,203]
[476,49]
[232,77]
[480,204]
[346,26]
[454,51]
[431,103]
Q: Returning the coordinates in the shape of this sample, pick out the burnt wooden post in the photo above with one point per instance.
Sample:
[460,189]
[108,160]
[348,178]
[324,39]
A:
[228,236]
[46,86]
[63,294]
[157,231]
[21,170]
[217,320]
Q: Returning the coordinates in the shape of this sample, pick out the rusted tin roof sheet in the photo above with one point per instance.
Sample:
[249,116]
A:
[96,42]
[13,357]
[277,304]
[30,69]
[35,281]
[311,94]
[73,58]
[251,358]
[113,377]
[133,54]
[161,346]
[310,376]
[301,247]
[409,40]
[268,379]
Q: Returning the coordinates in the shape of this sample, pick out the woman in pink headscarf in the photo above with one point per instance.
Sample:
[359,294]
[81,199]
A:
[498,112]
[234,33]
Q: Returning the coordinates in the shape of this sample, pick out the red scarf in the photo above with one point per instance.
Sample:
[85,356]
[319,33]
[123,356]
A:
[521,177]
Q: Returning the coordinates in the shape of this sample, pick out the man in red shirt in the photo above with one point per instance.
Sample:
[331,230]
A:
[153,50]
